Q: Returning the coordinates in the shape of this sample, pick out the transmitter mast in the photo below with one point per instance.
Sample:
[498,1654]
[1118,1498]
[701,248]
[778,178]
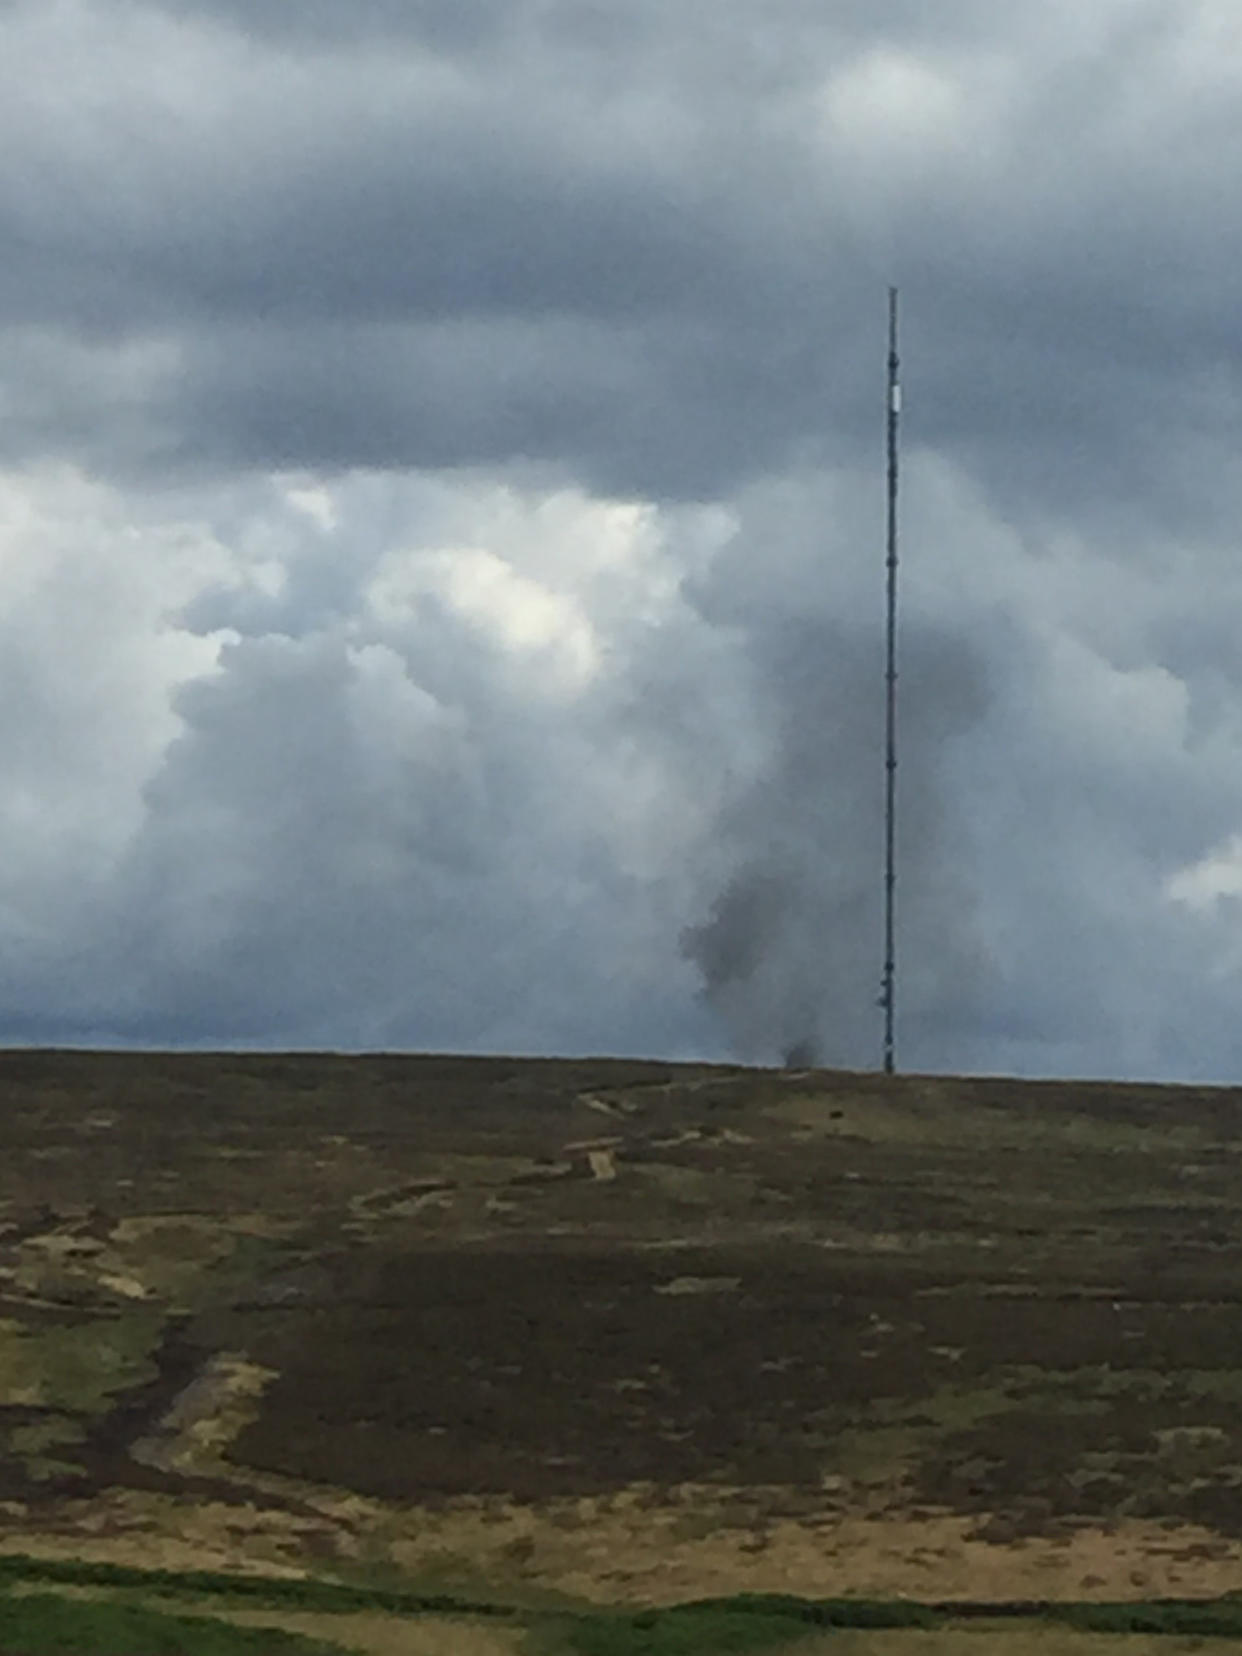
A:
[888,995]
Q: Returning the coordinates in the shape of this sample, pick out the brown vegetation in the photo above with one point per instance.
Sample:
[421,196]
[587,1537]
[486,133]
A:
[623,1329]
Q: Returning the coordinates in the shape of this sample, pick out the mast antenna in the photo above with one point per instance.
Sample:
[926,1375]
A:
[888,994]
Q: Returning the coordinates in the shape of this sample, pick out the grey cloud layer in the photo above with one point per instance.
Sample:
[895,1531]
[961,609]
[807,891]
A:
[635,252]
[638,245]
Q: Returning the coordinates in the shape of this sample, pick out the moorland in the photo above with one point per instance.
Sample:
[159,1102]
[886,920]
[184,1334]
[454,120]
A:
[540,1336]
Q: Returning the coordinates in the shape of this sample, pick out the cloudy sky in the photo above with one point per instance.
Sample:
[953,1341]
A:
[441,527]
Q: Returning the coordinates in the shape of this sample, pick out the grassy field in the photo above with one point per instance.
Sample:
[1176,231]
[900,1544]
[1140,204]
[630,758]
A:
[100,1608]
[605,1332]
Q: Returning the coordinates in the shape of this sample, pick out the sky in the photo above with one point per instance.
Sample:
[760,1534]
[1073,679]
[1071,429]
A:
[442,528]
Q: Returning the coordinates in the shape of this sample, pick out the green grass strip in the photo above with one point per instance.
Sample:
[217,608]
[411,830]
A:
[1195,1618]
[743,1622]
[834,1612]
[730,1626]
[677,1632]
[41,1624]
[277,1592]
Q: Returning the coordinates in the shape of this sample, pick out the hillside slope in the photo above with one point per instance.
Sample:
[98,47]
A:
[621,1330]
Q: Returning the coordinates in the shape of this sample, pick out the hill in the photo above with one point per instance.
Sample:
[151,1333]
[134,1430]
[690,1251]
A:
[621,1331]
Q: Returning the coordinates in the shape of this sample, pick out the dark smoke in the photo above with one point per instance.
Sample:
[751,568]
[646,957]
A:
[790,945]
[801,1055]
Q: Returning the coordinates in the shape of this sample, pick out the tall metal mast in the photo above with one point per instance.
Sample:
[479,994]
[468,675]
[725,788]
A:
[888,997]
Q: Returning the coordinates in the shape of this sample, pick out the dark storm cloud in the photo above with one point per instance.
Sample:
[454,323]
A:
[355,258]
[410,238]
[653,408]
[447,24]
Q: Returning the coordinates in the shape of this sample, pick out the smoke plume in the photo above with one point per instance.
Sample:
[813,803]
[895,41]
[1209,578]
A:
[790,944]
